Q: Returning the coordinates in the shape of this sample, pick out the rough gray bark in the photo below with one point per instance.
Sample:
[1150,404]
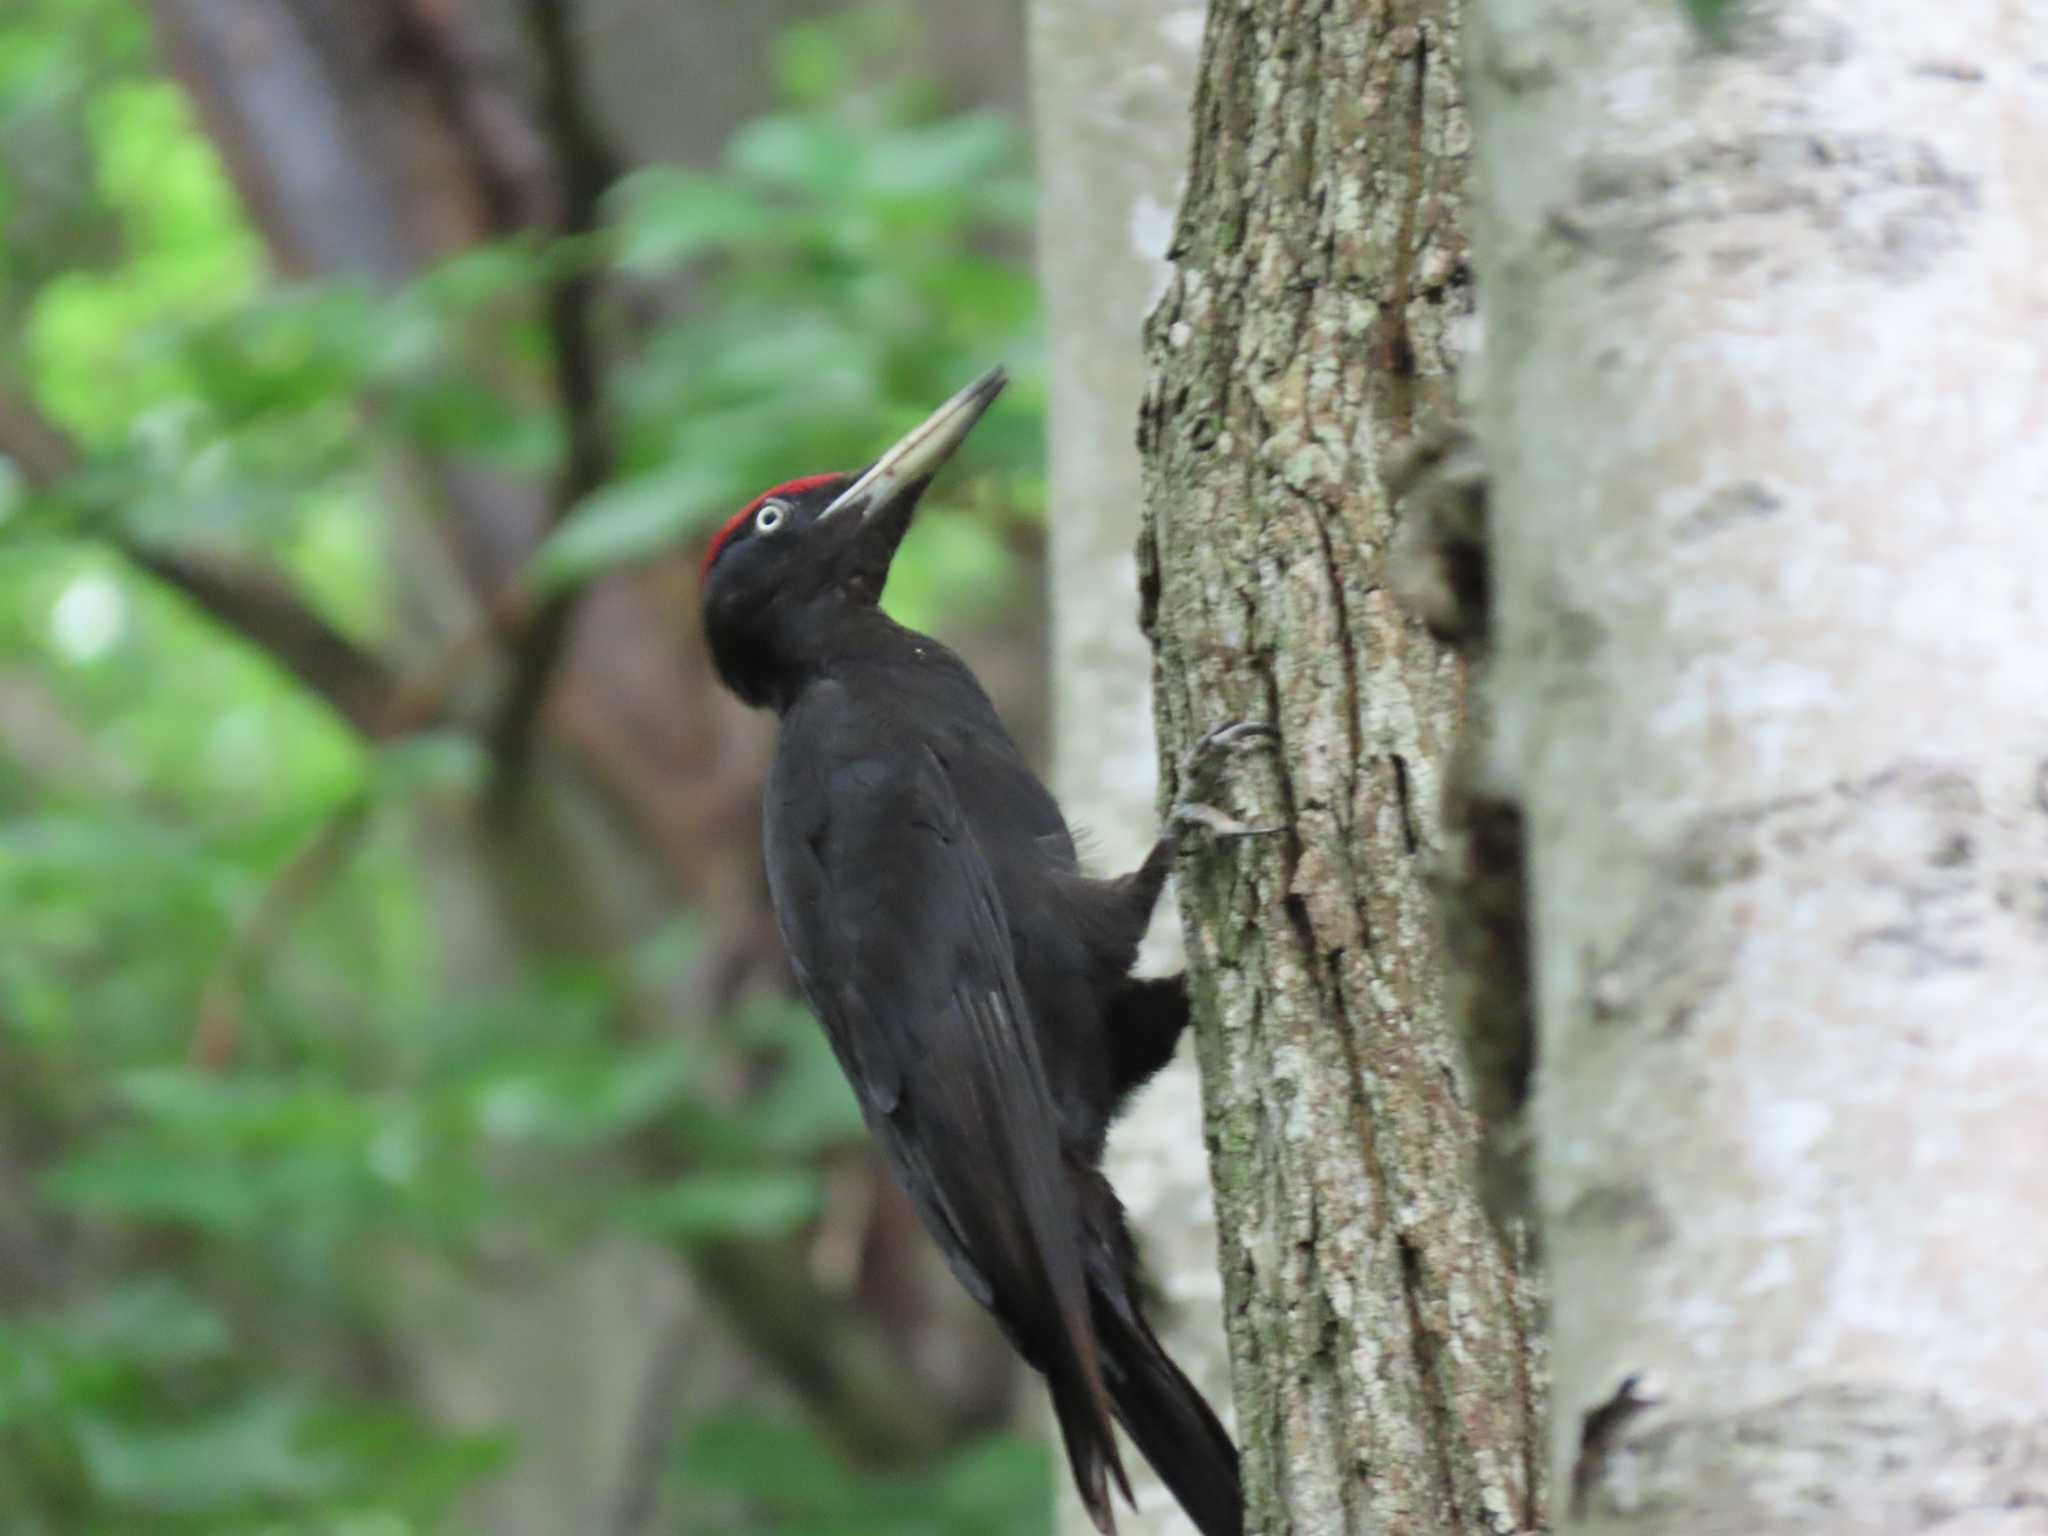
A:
[1111,84]
[1766,407]
[1384,1381]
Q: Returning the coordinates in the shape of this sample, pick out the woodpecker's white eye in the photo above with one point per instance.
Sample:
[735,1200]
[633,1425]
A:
[770,517]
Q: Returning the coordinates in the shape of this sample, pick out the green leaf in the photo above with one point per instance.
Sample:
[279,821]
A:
[806,1105]
[807,154]
[810,66]
[581,1096]
[150,1322]
[705,1207]
[631,521]
[1001,1486]
[139,1181]
[949,156]
[409,1466]
[290,351]
[1711,17]
[433,762]
[671,216]
[482,275]
[252,1450]
[958,565]
[783,1466]
[29,1380]
[457,413]
[376,1522]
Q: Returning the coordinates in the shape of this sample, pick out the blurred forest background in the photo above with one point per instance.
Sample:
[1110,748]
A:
[404,1123]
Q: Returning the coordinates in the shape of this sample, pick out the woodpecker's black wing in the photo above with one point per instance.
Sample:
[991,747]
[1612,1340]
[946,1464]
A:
[898,935]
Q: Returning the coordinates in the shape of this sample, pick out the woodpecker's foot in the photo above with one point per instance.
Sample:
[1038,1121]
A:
[1198,773]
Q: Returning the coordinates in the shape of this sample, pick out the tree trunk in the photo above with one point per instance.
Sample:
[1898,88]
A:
[1765,403]
[1111,86]
[1378,1328]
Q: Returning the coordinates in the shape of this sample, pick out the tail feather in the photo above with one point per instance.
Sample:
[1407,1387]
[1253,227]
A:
[1091,1447]
[1041,1291]
[1168,1420]
[1065,1348]
[1159,1408]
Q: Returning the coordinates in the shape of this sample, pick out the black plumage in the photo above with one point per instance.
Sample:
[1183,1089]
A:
[974,983]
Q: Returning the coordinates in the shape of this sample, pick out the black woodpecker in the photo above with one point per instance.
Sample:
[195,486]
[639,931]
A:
[975,984]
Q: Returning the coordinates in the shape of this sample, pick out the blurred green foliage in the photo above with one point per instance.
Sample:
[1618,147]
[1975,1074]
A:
[217,1239]
[1711,18]
[794,1488]
[844,270]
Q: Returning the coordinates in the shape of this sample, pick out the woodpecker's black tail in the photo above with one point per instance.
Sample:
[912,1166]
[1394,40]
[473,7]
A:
[1090,1442]
[1170,1423]
[1157,1405]
[1034,1249]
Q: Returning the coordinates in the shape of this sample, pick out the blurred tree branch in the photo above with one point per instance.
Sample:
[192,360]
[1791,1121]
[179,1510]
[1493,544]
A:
[426,152]
[494,132]
[585,167]
[256,603]
[248,598]
[223,1004]
[43,454]
[43,742]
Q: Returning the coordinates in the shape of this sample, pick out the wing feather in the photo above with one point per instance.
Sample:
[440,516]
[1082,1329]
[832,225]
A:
[897,932]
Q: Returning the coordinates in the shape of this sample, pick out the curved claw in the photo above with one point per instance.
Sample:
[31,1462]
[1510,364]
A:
[1198,768]
[1216,823]
[1233,731]
[1214,742]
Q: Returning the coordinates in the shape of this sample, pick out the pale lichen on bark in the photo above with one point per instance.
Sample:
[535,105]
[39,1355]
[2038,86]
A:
[1382,1374]
[1766,406]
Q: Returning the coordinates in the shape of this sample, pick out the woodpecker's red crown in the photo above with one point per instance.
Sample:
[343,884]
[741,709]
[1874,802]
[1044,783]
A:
[739,519]
[790,572]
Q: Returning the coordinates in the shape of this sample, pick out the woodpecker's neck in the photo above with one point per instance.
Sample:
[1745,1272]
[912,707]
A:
[769,655]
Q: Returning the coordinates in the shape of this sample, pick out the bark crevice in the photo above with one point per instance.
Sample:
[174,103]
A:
[1378,1395]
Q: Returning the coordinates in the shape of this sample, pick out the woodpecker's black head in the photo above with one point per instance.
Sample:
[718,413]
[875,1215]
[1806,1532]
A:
[787,570]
